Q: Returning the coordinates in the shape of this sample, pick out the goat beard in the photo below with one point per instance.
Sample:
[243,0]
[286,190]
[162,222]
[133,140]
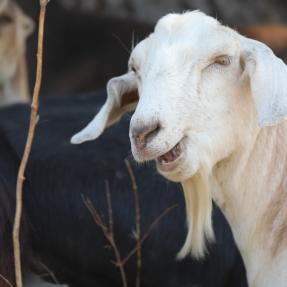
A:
[198,201]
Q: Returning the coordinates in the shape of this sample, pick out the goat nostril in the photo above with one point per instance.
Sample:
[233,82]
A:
[145,134]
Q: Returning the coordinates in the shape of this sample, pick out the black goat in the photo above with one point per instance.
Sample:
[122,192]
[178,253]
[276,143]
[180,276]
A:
[58,229]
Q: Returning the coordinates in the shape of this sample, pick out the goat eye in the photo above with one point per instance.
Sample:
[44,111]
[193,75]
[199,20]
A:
[222,61]
[5,19]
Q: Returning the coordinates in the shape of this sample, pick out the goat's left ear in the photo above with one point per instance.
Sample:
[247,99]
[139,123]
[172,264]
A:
[122,97]
[268,81]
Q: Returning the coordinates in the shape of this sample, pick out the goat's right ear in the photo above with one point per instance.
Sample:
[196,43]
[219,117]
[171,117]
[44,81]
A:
[268,81]
[122,97]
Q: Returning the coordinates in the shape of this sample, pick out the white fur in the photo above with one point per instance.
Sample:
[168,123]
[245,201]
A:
[220,114]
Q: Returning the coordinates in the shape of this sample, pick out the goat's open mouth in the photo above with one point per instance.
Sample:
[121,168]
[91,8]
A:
[169,160]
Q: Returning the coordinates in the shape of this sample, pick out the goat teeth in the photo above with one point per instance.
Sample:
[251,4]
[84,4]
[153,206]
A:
[171,155]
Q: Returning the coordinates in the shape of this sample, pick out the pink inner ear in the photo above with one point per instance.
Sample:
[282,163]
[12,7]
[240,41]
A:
[129,98]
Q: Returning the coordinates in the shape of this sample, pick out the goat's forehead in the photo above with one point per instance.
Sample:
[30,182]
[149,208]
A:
[173,26]
[192,33]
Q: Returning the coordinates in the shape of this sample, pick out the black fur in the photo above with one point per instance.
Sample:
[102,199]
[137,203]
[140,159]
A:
[60,229]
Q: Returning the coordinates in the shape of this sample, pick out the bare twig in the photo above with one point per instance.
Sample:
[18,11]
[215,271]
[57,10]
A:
[138,221]
[48,272]
[27,150]
[146,235]
[108,231]
[6,281]
[122,43]
[110,209]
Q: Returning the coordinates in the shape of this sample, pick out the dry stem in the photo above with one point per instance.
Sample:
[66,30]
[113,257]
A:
[27,150]
[138,221]
[108,230]
[146,235]
[110,209]
[6,280]
[48,272]
[109,233]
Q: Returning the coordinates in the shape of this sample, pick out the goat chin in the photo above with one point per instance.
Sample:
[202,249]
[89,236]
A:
[198,202]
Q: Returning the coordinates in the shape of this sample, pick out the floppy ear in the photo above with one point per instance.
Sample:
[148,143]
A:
[268,81]
[122,97]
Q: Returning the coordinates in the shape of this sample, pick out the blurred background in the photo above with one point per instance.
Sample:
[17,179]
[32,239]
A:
[88,41]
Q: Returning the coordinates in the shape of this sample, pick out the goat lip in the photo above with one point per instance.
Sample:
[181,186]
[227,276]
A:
[169,160]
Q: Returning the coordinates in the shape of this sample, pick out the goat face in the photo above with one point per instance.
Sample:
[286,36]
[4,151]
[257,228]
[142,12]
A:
[189,95]
[200,86]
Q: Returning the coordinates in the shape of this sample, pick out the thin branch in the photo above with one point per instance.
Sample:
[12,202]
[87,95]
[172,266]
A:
[27,150]
[49,272]
[96,216]
[138,221]
[122,43]
[110,209]
[108,232]
[6,281]
[146,235]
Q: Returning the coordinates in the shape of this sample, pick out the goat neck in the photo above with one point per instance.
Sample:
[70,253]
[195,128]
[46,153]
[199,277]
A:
[251,189]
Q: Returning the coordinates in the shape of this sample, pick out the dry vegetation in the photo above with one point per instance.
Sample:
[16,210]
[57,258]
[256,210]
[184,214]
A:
[107,228]
[32,127]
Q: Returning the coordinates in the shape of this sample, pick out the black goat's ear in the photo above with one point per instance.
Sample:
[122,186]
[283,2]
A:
[122,97]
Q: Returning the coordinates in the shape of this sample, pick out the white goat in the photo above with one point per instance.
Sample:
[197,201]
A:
[210,112]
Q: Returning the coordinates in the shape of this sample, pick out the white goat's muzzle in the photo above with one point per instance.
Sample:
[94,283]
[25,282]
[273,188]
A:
[150,140]
[143,136]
